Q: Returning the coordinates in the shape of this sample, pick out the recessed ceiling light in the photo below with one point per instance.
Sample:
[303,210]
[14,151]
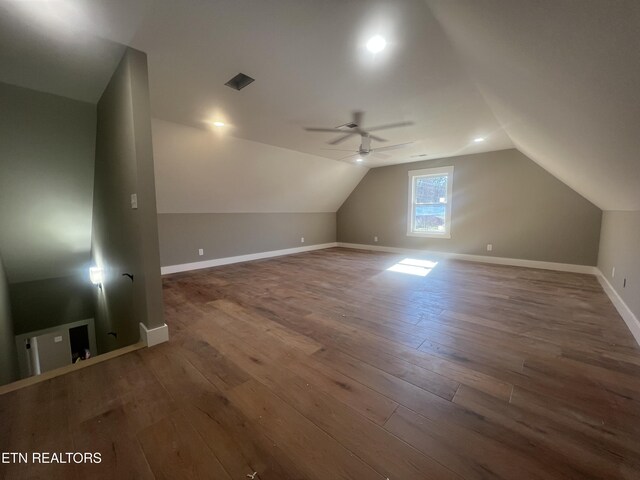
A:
[478,139]
[218,124]
[376,44]
[359,159]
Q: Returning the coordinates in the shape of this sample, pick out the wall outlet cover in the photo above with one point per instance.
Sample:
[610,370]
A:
[200,251]
[375,239]
[301,239]
[134,200]
[489,247]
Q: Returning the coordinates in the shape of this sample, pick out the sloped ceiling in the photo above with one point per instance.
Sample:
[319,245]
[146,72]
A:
[199,172]
[555,78]
[54,46]
[563,78]
[312,69]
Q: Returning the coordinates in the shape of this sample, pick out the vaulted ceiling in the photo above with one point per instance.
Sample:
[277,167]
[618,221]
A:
[562,78]
[555,78]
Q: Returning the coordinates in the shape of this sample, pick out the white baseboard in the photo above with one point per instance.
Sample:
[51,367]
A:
[516,262]
[216,262]
[625,312]
[153,336]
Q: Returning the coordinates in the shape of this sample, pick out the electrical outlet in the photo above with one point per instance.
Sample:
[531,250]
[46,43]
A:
[201,251]
[134,201]
[489,247]
[613,272]
[375,239]
[301,239]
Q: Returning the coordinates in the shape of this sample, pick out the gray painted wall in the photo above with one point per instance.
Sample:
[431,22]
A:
[620,248]
[8,358]
[47,152]
[502,198]
[125,240]
[46,303]
[230,234]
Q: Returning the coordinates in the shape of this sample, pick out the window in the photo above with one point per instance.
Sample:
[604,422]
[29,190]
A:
[430,202]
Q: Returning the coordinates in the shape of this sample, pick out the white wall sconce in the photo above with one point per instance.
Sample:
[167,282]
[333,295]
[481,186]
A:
[96,275]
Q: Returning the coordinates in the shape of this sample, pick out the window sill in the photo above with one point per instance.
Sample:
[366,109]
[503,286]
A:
[429,235]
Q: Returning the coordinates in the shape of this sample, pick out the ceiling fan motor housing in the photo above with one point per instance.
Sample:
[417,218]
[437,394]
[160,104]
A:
[365,146]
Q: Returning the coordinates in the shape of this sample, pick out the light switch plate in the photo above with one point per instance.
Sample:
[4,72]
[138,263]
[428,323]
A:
[57,339]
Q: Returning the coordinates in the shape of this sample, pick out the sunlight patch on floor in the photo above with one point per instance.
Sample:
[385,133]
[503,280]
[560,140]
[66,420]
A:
[413,266]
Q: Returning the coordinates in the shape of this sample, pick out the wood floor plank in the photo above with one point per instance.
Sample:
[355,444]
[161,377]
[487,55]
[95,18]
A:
[468,453]
[575,454]
[328,365]
[384,452]
[250,355]
[121,455]
[241,447]
[174,449]
[319,455]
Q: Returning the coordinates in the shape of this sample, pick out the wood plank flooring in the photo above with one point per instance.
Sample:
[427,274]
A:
[325,365]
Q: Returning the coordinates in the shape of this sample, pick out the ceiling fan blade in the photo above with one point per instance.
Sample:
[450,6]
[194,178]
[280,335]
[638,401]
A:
[341,139]
[377,139]
[338,149]
[357,118]
[319,129]
[349,156]
[390,125]
[381,156]
[392,147]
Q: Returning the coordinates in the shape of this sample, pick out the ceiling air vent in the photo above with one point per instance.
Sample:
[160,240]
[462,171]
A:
[239,81]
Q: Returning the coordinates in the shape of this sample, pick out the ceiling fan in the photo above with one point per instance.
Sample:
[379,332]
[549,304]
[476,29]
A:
[365,149]
[355,128]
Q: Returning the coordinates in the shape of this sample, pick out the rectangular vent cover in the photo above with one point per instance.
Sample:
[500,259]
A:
[239,81]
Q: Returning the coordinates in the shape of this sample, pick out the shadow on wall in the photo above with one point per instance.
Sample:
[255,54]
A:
[8,355]
[41,304]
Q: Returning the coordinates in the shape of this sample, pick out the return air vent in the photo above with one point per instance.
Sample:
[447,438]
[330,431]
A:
[239,81]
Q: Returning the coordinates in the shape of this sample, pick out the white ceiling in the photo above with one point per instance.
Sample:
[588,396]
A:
[563,78]
[556,78]
[311,69]
[51,46]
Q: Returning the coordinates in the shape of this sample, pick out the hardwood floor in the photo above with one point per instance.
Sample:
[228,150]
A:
[324,365]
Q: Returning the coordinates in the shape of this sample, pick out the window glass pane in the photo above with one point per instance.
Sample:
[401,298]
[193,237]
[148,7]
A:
[430,218]
[431,189]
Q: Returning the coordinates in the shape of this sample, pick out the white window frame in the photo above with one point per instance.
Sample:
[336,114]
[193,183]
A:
[428,172]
